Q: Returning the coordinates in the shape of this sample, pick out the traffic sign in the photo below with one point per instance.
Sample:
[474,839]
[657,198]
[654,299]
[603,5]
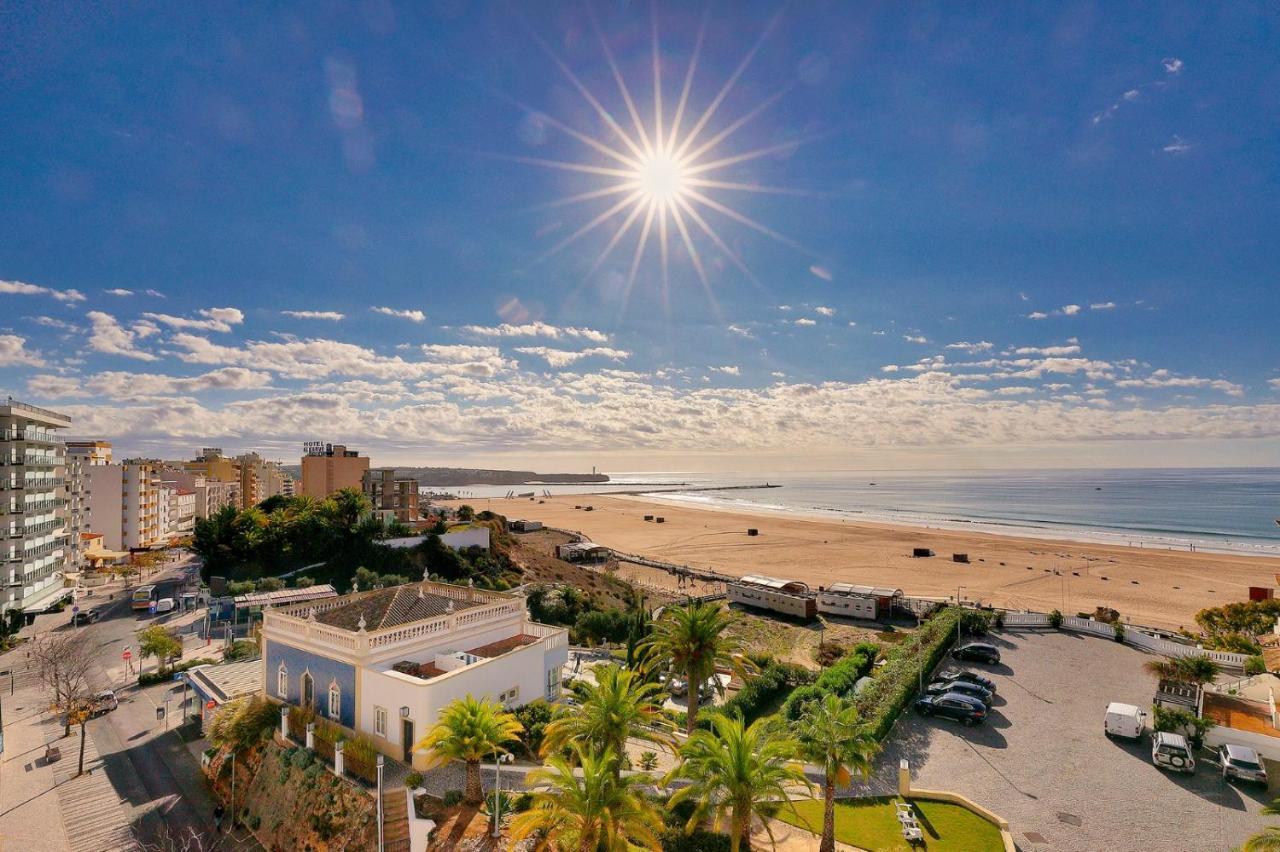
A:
[159,713]
[75,609]
[127,654]
[211,705]
[179,676]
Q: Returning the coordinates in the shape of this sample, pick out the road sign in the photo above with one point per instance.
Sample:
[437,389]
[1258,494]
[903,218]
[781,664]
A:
[127,655]
[179,676]
[211,705]
[74,610]
[159,713]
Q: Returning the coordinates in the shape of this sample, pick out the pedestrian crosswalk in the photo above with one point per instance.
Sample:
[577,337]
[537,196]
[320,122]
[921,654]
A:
[92,814]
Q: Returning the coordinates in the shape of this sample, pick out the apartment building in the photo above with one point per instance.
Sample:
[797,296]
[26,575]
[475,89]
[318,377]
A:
[256,478]
[327,468]
[392,499]
[125,504]
[34,513]
[208,496]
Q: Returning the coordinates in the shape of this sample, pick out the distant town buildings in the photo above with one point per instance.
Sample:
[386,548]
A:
[392,499]
[327,468]
[256,478]
[35,512]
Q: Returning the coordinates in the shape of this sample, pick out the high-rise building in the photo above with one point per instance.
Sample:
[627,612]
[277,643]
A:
[327,468]
[256,478]
[124,504]
[34,512]
[209,496]
[392,498]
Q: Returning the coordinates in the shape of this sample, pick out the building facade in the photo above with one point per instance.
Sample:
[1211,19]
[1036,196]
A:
[125,505]
[34,511]
[392,499]
[327,468]
[386,662]
[789,597]
[256,478]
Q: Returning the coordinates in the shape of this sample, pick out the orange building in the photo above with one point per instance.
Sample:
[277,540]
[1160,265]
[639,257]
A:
[327,468]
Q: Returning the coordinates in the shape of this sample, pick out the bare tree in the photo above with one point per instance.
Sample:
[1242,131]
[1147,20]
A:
[172,839]
[62,662]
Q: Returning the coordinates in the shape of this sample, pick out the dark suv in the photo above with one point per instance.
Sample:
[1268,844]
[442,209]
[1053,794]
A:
[978,651]
[968,677]
[953,705]
[961,687]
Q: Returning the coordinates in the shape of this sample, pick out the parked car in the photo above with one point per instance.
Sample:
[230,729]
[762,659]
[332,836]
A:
[87,616]
[679,686]
[970,676]
[1243,763]
[164,605]
[961,687]
[979,652]
[1172,751]
[953,705]
[104,702]
[1124,720]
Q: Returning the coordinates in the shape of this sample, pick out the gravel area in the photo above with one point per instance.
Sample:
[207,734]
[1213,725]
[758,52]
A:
[1043,763]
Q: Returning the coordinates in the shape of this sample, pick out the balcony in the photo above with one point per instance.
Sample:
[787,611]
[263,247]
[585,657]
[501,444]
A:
[34,436]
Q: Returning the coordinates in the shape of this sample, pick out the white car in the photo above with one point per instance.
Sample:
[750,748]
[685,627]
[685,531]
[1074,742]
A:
[164,605]
[1124,720]
[1172,751]
[1243,763]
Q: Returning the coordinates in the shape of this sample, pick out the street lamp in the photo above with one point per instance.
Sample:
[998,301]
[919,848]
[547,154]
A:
[498,760]
[960,605]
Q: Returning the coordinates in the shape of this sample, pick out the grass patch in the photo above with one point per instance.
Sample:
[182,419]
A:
[872,823]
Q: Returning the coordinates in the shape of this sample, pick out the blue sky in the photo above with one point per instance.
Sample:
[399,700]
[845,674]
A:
[1033,234]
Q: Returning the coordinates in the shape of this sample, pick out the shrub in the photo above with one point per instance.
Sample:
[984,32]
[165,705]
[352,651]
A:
[243,722]
[976,622]
[413,780]
[827,653]
[763,690]
[451,798]
[1255,665]
[648,760]
[1055,619]
[241,649]
[1117,629]
[675,840]
[534,718]
[794,705]
[1179,721]
[151,678]
[906,663]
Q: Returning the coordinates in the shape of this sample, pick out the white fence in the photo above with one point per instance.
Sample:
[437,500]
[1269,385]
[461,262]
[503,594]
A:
[1132,636]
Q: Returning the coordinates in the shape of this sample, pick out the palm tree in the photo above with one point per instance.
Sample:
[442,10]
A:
[618,707]
[1267,840]
[469,731]
[734,771]
[592,809]
[831,735]
[691,640]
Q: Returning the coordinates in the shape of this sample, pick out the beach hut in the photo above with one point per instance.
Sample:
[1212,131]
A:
[921,552]
[960,557]
[752,531]
[854,601]
[789,597]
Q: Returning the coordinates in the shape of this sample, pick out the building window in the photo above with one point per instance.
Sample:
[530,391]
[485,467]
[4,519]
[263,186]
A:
[511,696]
[380,721]
[335,701]
[553,683]
[282,683]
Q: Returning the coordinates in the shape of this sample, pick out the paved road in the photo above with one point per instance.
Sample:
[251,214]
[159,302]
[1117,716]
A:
[1043,763]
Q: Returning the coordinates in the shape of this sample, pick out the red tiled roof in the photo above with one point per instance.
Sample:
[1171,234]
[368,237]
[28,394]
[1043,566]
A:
[502,646]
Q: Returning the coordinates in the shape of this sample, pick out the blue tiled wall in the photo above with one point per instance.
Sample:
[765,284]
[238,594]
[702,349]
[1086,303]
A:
[323,672]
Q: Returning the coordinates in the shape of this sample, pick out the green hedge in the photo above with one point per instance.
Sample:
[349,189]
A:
[838,679]
[896,682]
[153,677]
[764,689]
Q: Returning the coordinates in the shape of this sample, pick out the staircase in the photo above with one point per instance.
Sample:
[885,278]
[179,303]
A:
[395,819]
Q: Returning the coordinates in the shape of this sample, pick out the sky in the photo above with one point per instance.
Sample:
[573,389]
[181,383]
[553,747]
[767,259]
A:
[896,235]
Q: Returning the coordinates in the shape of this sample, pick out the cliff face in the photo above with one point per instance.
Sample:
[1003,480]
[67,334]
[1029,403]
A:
[453,476]
[291,800]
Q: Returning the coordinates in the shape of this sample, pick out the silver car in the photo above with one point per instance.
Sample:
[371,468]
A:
[1243,763]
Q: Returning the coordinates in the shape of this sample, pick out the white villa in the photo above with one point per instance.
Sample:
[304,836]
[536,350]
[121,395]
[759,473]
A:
[385,662]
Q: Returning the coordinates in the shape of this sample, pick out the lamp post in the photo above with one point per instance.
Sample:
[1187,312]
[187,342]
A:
[960,605]
[498,760]
[379,803]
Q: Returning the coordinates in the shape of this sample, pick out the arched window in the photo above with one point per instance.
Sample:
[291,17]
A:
[282,683]
[335,700]
[308,690]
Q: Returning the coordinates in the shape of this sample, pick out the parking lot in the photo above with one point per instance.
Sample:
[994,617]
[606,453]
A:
[1043,763]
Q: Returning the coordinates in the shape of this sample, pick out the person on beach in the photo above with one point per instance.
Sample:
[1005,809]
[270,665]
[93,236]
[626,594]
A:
[218,813]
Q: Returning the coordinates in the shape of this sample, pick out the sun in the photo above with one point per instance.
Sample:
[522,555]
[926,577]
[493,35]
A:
[661,175]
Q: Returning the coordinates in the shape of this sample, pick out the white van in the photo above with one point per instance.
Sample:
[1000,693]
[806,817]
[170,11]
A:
[1124,720]
[164,605]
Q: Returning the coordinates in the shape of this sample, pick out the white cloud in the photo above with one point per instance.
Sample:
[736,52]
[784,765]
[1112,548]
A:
[805,321]
[14,352]
[155,293]
[109,337]
[215,319]
[971,348]
[1102,306]
[1177,146]
[825,311]
[1173,65]
[915,338]
[537,329]
[563,358]
[1037,315]
[145,328]
[1070,310]
[410,313]
[1166,379]
[741,331]
[118,291]
[122,385]
[1051,351]
[53,322]
[21,288]
[317,315]
[1275,383]
[778,374]
[728,370]
[1132,95]
[820,272]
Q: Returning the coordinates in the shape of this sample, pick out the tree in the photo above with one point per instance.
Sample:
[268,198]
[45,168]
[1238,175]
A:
[1267,840]
[618,707]
[736,772]
[469,731]
[1198,669]
[62,663]
[156,641]
[243,722]
[593,808]
[466,513]
[691,639]
[831,735]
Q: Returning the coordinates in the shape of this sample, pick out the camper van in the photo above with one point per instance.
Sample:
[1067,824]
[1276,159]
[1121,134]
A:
[1124,720]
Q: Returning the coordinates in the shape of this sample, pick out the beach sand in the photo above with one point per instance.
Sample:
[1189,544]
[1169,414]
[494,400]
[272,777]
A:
[1148,586]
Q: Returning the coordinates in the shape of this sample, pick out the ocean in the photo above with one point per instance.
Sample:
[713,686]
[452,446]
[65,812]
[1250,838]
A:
[1218,509]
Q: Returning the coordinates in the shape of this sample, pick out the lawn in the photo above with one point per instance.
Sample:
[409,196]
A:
[872,824]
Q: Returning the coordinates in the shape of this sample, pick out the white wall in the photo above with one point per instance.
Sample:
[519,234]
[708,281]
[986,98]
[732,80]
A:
[461,540]
[764,598]
[853,606]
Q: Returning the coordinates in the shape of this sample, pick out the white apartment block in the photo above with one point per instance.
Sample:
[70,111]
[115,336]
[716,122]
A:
[181,503]
[387,661]
[34,512]
[208,494]
[124,505]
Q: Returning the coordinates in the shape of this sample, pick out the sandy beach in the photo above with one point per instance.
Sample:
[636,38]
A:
[1149,586]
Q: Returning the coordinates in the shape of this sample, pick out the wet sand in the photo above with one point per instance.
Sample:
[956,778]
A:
[1149,586]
